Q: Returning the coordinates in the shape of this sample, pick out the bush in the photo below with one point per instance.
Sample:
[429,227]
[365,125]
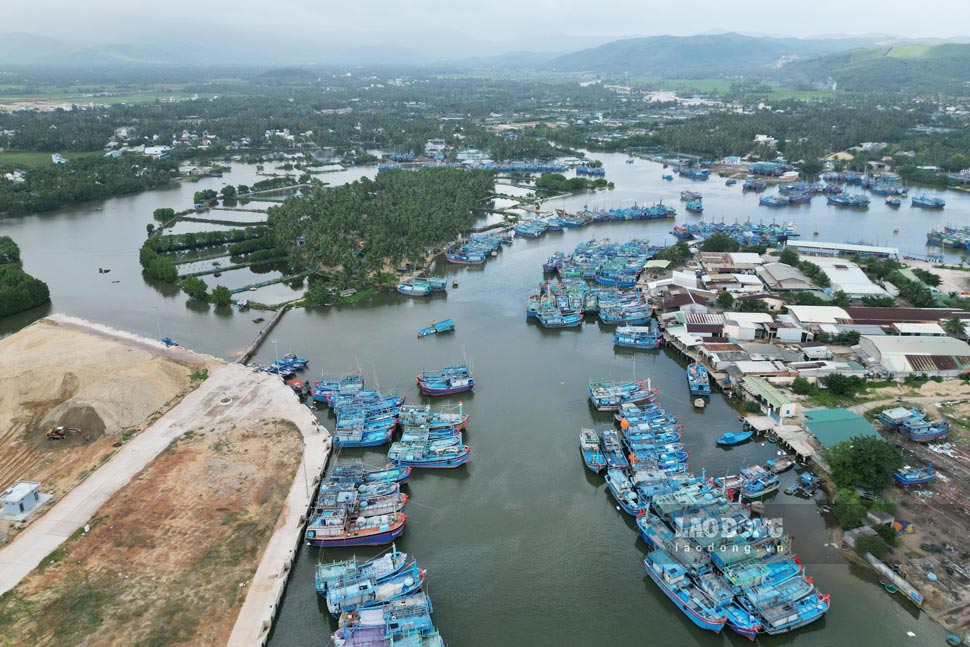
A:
[872,544]
[752,407]
[874,301]
[929,278]
[801,386]
[847,385]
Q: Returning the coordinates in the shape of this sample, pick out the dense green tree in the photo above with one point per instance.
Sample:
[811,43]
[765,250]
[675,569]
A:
[720,243]
[221,296]
[863,461]
[195,287]
[725,300]
[9,251]
[847,385]
[163,214]
[841,299]
[877,301]
[788,256]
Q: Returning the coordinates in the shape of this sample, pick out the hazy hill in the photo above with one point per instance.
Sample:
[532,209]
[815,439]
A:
[913,67]
[697,56]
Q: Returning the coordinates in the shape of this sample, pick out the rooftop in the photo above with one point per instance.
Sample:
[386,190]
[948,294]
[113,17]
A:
[914,345]
[879,316]
[18,491]
[821,314]
[760,387]
[849,278]
[818,247]
[833,426]
[779,276]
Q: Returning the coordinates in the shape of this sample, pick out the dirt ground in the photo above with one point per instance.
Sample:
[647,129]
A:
[54,375]
[940,510]
[953,280]
[168,559]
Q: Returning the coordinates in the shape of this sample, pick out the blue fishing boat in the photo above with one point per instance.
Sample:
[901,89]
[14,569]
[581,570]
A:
[695,207]
[448,381]
[465,256]
[920,430]
[612,449]
[436,327]
[734,437]
[667,177]
[414,288]
[672,579]
[589,445]
[697,379]
[773,201]
[421,452]
[558,319]
[639,337]
[405,621]
[623,491]
[362,437]
[168,341]
[893,201]
[907,475]
[608,395]
[337,526]
[690,196]
[790,615]
[377,569]
[357,473]
[924,202]
[350,595]
[754,185]
[449,418]
[852,200]
[760,485]
[730,181]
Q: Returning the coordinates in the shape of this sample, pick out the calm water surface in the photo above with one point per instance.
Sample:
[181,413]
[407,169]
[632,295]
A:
[522,545]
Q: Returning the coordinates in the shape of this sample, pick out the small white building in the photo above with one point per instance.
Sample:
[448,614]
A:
[848,277]
[21,498]
[745,325]
[435,146]
[807,316]
[918,330]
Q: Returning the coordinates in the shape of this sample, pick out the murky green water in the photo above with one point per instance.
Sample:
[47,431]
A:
[522,545]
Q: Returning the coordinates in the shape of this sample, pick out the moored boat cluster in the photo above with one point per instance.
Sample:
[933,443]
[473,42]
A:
[718,562]
[379,602]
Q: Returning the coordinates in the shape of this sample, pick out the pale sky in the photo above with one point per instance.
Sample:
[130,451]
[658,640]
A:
[469,28]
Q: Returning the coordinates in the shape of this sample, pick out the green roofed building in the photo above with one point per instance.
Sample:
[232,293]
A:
[833,426]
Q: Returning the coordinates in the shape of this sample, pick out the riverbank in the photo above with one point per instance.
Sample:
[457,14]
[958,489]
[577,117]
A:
[191,524]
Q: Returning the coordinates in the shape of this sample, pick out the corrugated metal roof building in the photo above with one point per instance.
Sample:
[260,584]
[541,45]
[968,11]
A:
[943,356]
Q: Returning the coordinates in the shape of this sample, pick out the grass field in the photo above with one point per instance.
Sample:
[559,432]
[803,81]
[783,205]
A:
[29,159]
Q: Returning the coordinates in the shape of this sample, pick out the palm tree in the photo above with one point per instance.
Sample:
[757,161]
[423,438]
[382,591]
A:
[954,326]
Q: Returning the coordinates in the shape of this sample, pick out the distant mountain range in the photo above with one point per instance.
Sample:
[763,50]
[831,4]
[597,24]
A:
[862,63]
[917,67]
[699,56]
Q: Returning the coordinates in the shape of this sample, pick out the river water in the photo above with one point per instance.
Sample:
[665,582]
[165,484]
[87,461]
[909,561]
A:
[522,545]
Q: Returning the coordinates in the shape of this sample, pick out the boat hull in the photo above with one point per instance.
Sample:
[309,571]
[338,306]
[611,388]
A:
[376,539]
[711,624]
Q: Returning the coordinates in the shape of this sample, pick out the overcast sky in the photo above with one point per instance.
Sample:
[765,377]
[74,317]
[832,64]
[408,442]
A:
[484,27]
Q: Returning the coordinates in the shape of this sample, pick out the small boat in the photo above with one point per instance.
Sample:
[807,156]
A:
[420,415]
[854,200]
[378,569]
[558,319]
[907,475]
[697,379]
[781,464]
[168,341]
[690,196]
[730,181]
[437,327]
[734,437]
[612,450]
[893,201]
[920,430]
[760,486]
[589,445]
[924,202]
[667,177]
[695,206]
[414,288]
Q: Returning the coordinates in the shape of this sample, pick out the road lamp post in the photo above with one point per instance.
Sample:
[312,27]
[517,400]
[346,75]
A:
[158,326]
